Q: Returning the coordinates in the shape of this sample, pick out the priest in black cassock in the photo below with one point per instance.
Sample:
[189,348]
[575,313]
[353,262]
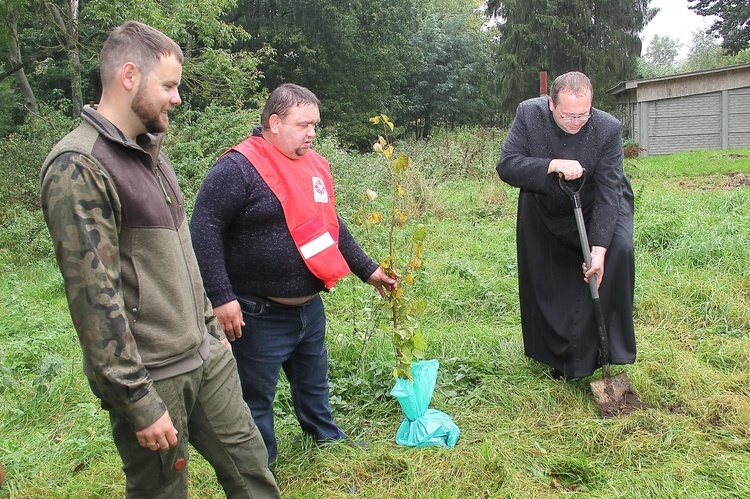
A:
[564,134]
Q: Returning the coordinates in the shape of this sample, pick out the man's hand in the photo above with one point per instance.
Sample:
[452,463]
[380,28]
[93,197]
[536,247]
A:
[380,280]
[571,168]
[226,343]
[597,265]
[230,318]
[160,435]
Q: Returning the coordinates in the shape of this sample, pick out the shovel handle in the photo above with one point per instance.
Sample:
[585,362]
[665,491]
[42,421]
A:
[575,197]
[566,188]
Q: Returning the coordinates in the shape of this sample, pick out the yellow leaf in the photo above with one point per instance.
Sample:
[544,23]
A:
[403,218]
[419,306]
[387,121]
[419,233]
[401,164]
[371,195]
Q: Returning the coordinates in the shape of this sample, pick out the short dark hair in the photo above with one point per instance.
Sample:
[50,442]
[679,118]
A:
[573,82]
[138,43]
[285,97]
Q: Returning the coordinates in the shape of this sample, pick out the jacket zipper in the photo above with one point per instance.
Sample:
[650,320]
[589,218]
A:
[163,189]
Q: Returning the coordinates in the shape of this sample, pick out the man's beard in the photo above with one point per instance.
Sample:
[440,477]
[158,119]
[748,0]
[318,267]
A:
[152,120]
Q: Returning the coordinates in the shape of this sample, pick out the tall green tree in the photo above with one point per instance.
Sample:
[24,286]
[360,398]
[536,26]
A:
[704,52]
[216,69]
[663,51]
[660,58]
[10,12]
[449,85]
[354,54]
[65,19]
[60,41]
[732,23]
[597,37]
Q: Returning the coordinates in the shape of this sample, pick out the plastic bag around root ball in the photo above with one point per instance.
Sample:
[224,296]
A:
[422,427]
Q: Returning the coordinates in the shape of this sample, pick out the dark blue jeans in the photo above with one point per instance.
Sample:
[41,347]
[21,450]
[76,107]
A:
[292,338]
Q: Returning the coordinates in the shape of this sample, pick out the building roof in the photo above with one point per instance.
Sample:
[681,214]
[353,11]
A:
[676,78]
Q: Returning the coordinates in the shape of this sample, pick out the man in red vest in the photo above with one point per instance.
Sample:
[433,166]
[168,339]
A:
[268,241]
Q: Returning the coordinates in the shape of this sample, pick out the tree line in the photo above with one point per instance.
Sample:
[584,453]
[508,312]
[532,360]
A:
[427,64]
[725,43]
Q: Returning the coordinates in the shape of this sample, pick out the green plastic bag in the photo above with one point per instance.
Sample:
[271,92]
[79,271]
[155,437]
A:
[422,427]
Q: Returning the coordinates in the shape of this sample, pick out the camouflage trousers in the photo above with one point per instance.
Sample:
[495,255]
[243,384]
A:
[207,410]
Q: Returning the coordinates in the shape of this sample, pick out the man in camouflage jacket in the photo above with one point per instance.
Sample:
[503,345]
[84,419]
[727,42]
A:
[153,351]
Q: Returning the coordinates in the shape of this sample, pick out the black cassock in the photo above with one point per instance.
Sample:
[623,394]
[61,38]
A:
[557,314]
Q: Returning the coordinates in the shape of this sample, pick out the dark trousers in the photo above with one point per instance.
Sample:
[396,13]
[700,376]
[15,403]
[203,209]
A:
[208,412]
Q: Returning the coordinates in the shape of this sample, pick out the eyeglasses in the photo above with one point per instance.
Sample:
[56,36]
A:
[572,117]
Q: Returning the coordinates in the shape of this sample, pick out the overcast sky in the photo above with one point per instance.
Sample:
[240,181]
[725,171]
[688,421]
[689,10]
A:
[674,20]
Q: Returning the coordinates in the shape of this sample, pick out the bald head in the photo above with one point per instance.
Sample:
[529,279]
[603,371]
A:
[574,83]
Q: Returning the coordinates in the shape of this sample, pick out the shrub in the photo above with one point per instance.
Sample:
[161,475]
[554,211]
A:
[24,233]
[401,259]
[23,153]
[196,139]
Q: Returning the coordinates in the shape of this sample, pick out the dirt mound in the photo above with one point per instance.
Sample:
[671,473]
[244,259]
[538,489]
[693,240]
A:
[615,396]
[736,180]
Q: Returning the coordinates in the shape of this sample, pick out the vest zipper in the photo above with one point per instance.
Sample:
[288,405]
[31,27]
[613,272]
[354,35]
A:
[163,189]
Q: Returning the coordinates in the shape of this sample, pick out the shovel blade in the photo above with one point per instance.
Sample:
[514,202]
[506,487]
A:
[615,396]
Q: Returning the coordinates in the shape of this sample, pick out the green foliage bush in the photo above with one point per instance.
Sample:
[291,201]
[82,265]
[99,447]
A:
[23,153]
[24,236]
[352,173]
[461,152]
[23,232]
[11,106]
[195,140]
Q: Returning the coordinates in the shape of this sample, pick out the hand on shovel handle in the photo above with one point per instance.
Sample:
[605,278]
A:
[614,394]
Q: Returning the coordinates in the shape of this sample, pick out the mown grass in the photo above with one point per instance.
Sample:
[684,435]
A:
[522,434]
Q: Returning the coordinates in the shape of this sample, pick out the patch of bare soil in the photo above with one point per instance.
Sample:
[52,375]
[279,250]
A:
[736,180]
[723,182]
[616,397]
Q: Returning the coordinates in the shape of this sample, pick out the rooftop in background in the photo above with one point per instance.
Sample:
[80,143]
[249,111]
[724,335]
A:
[676,78]
[707,109]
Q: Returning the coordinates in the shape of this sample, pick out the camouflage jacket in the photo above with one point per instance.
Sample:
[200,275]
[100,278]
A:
[117,221]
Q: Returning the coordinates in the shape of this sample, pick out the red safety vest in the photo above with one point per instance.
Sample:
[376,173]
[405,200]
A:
[304,187]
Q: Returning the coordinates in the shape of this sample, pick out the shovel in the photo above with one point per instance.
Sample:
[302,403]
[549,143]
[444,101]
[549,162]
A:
[614,395]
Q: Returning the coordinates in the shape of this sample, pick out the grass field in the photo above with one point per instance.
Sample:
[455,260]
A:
[522,434]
